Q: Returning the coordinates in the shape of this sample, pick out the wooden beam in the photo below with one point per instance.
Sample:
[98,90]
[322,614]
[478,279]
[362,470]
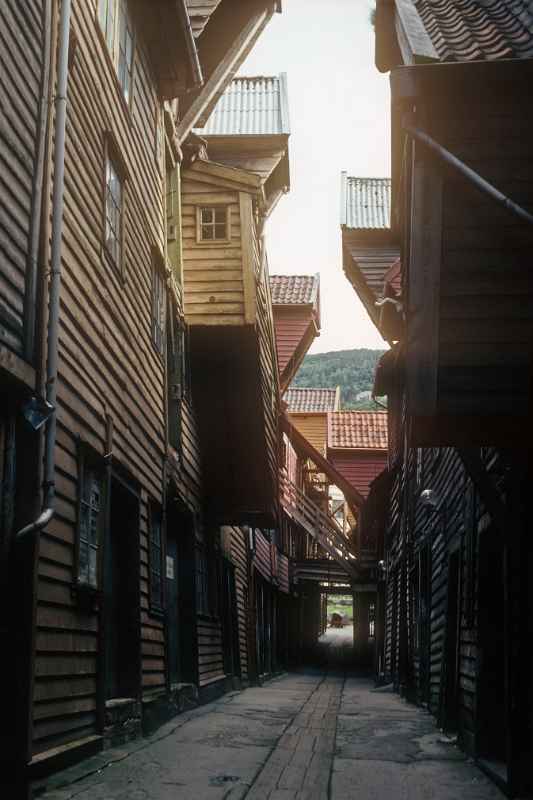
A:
[248,272]
[353,498]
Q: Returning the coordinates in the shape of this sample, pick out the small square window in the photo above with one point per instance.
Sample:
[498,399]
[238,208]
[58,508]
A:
[213,224]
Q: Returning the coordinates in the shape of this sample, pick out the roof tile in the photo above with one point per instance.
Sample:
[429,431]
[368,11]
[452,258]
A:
[358,430]
[365,202]
[294,289]
[250,107]
[478,30]
[300,400]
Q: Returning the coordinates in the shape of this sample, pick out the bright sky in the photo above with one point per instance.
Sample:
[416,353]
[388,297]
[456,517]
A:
[339,112]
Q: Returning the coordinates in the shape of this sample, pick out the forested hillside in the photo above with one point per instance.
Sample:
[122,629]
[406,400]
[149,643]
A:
[352,370]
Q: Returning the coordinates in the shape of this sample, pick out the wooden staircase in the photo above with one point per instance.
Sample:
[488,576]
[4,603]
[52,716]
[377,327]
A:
[318,525]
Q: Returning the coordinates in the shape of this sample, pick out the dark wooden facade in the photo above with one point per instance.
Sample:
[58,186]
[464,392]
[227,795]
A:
[130,487]
[458,381]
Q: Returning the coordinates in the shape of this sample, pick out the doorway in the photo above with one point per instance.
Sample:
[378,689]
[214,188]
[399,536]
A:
[450,715]
[230,625]
[122,594]
[491,715]
[180,597]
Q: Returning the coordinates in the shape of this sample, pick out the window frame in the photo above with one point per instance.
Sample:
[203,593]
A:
[113,43]
[159,309]
[113,158]
[214,207]
[155,514]
[89,462]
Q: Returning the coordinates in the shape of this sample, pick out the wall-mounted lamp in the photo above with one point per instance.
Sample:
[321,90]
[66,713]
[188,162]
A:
[37,411]
[250,532]
[430,499]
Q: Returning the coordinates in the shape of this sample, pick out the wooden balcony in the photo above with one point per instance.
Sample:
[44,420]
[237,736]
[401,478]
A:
[321,527]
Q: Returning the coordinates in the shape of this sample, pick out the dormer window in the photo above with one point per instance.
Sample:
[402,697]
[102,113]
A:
[213,224]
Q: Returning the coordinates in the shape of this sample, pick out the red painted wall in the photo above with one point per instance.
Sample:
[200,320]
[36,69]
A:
[358,466]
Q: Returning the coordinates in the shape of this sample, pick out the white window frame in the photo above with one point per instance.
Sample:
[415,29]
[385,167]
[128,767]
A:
[116,25]
[200,224]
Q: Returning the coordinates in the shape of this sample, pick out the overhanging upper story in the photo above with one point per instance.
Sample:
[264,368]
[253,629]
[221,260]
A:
[357,446]
[370,247]
[296,309]
[462,201]
[249,128]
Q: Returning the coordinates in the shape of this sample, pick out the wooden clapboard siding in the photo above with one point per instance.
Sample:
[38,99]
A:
[21,66]
[212,273]
[239,557]
[262,555]
[210,657]
[314,427]
[108,367]
[283,573]
[359,467]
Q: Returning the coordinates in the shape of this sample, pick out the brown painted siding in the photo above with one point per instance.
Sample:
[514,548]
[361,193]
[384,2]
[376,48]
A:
[239,557]
[21,66]
[107,366]
[262,555]
[210,659]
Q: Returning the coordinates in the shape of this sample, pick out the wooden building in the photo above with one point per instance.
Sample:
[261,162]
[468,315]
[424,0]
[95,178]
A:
[458,376]
[308,411]
[122,578]
[296,307]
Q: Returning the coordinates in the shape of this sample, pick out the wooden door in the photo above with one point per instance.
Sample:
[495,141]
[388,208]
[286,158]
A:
[172,610]
[491,706]
[122,595]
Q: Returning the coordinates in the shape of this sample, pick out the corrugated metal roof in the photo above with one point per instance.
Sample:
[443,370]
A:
[294,289]
[474,30]
[256,106]
[307,401]
[365,202]
[358,430]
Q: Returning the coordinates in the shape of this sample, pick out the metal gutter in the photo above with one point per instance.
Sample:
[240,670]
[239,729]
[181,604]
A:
[467,172]
[60,102]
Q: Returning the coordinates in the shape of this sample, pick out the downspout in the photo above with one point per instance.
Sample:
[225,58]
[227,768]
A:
[33,248]
[60,103]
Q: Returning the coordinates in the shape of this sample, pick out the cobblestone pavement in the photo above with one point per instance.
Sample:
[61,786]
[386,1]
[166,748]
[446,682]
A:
[315,735]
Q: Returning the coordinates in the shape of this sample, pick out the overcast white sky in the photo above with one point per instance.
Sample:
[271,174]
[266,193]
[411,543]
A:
[339,110]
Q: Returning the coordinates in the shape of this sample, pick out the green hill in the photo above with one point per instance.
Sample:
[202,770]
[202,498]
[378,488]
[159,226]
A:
[352,370]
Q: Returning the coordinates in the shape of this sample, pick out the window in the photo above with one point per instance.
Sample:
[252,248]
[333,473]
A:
[372,621]
[177,380]
[159,138]
[202,582]
[91,513]
[159,302]
[114,212]
[117,28]
[213,224]
[156,560]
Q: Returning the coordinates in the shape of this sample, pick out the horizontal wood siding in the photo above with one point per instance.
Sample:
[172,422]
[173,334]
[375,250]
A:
[358,467]
[210,657]
[108,366]
[486,316]
[212,273]
[21,66]
[239,557]
[283,573]
[291,325]
[262,555]
[314,427]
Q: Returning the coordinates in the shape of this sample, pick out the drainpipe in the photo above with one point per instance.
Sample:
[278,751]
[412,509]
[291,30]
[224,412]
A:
[60,103]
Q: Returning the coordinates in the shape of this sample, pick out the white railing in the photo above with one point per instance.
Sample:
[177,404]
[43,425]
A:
[317,524]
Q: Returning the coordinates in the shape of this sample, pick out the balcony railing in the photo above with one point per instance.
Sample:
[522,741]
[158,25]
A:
[317,524]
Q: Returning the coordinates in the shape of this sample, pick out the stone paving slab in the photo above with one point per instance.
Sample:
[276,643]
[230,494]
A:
[299,737]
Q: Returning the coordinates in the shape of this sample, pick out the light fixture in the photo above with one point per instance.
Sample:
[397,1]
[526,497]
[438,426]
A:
[37,411]
[429,498]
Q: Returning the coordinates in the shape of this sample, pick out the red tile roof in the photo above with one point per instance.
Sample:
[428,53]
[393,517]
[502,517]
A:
[357,430]
[474,30]
[308,401]
[294,289]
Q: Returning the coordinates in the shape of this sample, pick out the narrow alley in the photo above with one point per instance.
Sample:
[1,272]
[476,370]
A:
[314,734]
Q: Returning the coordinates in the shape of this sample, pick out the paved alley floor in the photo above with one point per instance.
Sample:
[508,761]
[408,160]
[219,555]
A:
[315,735]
